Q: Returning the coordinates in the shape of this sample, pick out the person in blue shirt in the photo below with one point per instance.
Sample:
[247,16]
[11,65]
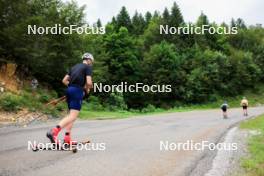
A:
[79,82]
[224,107]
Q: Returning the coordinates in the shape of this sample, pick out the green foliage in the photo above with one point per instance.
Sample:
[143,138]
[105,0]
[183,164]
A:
[256,123]
[116,102]
[44,98]
[166,16]
[255,96]
[148,17]
[93,104]
[46,56]
[138,24]
[200,68]
[31,100]
[254,163]
[176,18]
[10,102]
[202,20]
[122,56]
[149,108]
[123,19]
[151,34]
[161,66]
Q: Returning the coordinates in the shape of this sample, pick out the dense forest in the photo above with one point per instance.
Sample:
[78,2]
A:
[200,68]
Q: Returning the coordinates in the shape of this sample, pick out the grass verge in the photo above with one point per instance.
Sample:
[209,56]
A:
[35,101]
[88,113]
[255,97]
[100,115]
[254,164]
[31,100]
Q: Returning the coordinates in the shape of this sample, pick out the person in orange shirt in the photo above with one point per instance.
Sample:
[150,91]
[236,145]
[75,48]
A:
[244,104]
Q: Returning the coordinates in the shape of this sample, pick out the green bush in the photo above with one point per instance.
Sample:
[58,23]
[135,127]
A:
[116,102]
[10,102]
[149,108]
[93,104]
[61,106]
[50,110]
[134,110]
[30,101]
[44,96]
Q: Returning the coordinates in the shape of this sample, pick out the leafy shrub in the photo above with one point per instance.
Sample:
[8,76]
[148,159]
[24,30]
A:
[61,107]
[149,108]
[134,110]
[93,104]
[51,111]
[30,101]
[9,102]
[116,101]
[45,96]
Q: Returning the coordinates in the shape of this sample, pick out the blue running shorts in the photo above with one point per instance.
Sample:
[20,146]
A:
[74,96]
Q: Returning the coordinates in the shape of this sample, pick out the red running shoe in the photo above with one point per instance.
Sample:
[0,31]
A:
[68,140]
[53,135]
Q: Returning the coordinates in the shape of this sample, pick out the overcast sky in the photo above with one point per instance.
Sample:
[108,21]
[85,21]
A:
[252,11]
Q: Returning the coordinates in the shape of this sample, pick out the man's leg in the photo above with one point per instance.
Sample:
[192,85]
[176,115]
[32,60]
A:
[53,133]
[67,138]
[69,127]
[225,114]
[67,123]
[246,111]
[68,120]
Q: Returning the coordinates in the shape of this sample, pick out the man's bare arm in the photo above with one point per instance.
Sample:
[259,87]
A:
[66,80]
[89,84]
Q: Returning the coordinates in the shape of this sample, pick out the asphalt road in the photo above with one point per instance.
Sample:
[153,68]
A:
[132,146]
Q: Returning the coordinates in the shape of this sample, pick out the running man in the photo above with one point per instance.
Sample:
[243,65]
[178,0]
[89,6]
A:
[244,104]
[224,107]
[79,83]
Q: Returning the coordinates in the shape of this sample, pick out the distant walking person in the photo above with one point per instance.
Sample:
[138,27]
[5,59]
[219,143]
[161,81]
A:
[34,86]
[244,104]
[224,107]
